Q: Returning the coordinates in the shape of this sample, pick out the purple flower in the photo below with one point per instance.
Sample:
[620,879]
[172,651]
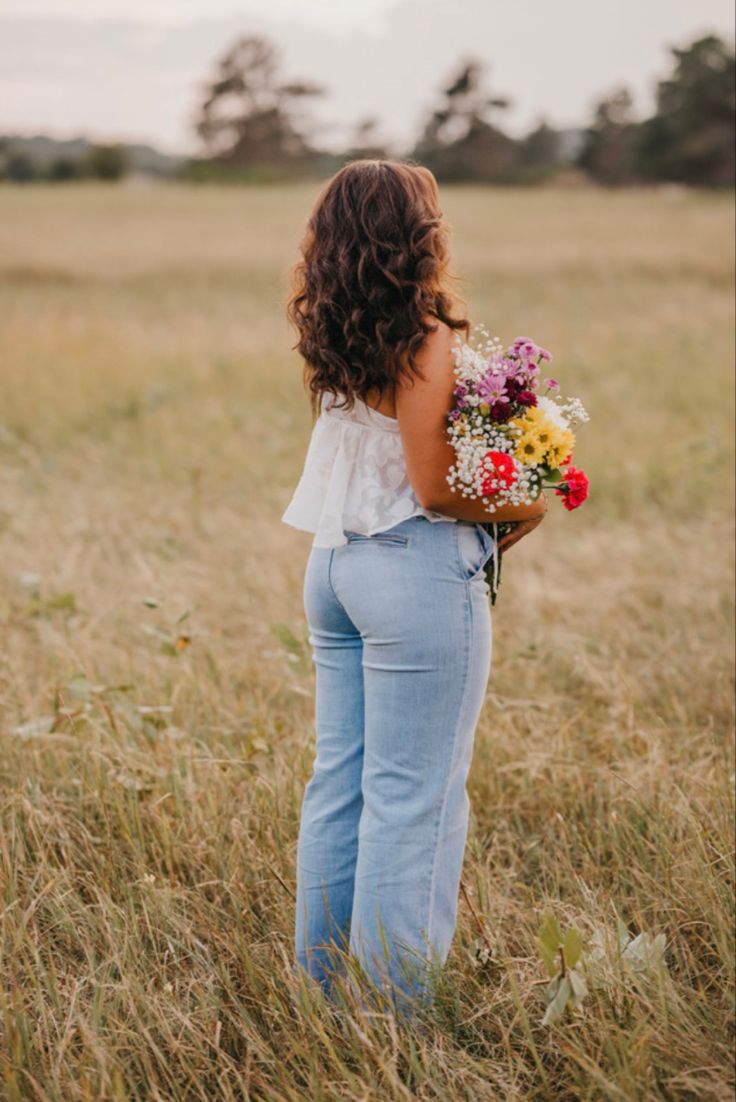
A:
[454,414]
[461,391]
[514,368]
[525,346]
[493,388]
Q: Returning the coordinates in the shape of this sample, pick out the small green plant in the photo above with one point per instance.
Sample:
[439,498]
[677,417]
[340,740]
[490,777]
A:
[173,639]
[561,956]
[608,960]
[637,958]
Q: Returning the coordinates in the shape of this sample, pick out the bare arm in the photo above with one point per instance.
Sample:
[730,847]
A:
[422,406]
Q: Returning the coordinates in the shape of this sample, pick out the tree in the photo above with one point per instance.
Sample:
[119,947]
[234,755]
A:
[249,117]
[459,142]
[608,150]
[19,168]
[63,169]
[690,138]
[106,162]
[539,154]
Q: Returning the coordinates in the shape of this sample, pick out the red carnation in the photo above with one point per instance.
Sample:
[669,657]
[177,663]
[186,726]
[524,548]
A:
[573,489]
[503,471]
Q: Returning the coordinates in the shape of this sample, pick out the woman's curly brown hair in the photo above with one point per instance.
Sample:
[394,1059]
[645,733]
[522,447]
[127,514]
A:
[373,271]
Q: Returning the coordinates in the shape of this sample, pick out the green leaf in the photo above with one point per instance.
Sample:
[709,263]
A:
[554,476]
[572,947]
[557,1006]
[63,602]
[644,953]
[548,958]
[80,686]
[579,987]
[549,932]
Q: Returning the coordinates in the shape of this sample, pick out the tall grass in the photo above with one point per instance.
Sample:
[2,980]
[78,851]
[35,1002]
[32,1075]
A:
[156,681]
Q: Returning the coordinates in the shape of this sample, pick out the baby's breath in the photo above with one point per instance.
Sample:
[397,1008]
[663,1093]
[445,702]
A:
[481,366]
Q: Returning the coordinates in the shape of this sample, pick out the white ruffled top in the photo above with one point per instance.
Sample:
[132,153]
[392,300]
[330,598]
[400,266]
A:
[354,476]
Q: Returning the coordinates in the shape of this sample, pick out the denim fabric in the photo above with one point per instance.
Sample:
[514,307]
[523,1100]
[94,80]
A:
[400,628]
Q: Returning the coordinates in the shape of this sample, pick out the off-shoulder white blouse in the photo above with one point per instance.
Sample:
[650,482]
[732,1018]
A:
[354,476]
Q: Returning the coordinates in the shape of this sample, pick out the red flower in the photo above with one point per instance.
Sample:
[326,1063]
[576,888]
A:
[501,411]
[500,467]
[573,489]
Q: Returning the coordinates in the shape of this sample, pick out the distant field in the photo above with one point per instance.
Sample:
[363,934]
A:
[156,680]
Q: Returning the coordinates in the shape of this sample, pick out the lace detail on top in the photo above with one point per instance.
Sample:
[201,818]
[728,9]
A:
[354,477]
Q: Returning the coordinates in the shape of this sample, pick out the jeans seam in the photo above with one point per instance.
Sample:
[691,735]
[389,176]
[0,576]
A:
[329,576]
[379,537]
[443,803]
[458,558]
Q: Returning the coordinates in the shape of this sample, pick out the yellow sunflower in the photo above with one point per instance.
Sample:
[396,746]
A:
[525,424]
[545,432]
[561,446]
[529,449]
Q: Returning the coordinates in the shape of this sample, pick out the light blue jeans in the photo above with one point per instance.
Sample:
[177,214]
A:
[400,629]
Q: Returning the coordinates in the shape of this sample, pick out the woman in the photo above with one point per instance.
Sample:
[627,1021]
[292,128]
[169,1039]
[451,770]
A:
[395,593]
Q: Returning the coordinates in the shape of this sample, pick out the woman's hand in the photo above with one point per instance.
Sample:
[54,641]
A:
[521,528]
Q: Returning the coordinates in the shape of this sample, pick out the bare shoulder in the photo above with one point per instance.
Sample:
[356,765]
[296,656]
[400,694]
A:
[431,389]
[422,404]
[434,357]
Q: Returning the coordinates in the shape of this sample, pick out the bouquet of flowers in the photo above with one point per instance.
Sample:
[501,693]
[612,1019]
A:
[511,442]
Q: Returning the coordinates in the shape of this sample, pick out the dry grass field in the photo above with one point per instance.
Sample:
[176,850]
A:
[156,724]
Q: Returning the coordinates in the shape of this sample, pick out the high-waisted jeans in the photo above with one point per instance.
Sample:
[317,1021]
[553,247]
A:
[400,626]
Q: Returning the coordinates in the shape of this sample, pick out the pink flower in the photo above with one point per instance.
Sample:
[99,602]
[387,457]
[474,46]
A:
[552,384]
[524,346]
[493,388]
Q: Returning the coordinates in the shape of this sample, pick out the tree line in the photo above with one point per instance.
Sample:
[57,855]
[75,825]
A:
[255,125]
[27,159]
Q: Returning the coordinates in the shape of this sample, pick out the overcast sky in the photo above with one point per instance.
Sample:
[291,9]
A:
[131,69]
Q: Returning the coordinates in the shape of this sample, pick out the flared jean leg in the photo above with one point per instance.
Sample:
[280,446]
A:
[419,734]
[332,802]
[427,638]
[400,626]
